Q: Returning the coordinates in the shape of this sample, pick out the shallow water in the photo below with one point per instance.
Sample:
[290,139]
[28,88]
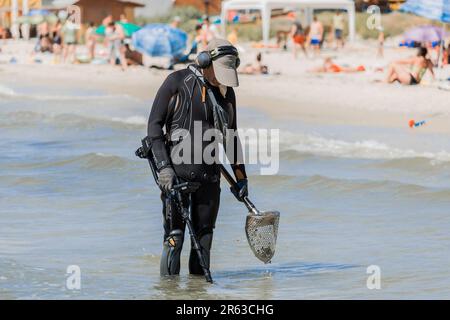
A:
[73,193]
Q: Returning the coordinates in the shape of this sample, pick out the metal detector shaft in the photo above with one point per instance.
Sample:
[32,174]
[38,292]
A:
[195,243]
[250,206]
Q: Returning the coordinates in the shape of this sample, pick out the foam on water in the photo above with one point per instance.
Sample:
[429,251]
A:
[364,149]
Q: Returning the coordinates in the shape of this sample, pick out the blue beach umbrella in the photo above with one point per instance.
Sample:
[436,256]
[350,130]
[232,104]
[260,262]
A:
[159,40]
[38,12]
[432,9]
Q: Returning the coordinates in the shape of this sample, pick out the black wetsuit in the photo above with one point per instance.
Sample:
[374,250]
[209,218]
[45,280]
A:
[180,101]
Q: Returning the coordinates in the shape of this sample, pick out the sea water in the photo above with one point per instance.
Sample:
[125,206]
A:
[72,193]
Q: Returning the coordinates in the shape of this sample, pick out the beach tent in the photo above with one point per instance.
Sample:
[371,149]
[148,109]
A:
[266,7]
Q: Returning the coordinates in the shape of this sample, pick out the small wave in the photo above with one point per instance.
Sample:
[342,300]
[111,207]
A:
[134,120]
[340,186]
[27,118]
[11,93]
[417,164]
[366,149]
[5,91]
[86,161]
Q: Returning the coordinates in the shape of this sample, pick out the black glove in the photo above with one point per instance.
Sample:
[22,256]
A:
[241,189]
[166,178]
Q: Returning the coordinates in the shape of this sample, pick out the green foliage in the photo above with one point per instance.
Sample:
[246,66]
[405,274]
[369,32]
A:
[394,23]
[189,16]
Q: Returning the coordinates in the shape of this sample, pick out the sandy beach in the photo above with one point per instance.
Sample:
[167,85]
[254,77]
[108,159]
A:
[296,93]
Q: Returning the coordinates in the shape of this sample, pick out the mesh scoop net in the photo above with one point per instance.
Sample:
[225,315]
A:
[261,229]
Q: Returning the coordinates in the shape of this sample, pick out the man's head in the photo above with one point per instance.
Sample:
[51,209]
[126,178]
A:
[219,62]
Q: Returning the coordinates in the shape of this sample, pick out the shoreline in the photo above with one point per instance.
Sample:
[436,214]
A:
[348,99]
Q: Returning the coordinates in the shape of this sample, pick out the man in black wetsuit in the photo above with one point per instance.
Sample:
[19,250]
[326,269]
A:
[199,96]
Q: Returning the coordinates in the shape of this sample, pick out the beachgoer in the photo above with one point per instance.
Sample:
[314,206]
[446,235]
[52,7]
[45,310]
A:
[57,41]
[446,56]
[298,38]
[338,26]
[91,40]
[123,18]
[115,36]
[44,41]
[233,36]
[188,99]
[380,53]
[256,68]
[316,35]
[410,71]
[209,32]
[329,66]
[176,22]
[69,35]
[134,58]
[186,58]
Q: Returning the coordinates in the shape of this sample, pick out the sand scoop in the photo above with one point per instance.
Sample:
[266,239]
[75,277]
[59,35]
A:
[261,227]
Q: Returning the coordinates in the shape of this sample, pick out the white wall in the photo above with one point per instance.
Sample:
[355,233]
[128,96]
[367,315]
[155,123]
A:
[154,8]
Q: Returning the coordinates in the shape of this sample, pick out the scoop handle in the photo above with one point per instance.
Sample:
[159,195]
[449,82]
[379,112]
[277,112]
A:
[250,206]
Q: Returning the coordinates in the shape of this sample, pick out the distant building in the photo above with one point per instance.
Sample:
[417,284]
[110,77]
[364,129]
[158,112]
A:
[6,6]
[155,8]
[96,11]
[210,7]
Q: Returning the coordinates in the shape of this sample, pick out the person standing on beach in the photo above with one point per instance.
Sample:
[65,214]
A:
[69,35]
[57,41]
[380,52]
[298,38]
[316,35]
[187,105]
[91,40]
[338,26]
[176,22]
[115,38]
[209,31]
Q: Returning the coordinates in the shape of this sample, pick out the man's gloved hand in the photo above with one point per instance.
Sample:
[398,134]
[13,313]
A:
[241,190]
[166,178]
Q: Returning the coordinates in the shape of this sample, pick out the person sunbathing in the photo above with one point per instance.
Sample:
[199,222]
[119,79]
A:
[255,68]
[410,71]
[330,67]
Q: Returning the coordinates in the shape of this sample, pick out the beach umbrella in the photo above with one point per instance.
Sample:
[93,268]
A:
[438,10]
[38,12]
[432,34]
[432,9]
[128,28]
[160,40]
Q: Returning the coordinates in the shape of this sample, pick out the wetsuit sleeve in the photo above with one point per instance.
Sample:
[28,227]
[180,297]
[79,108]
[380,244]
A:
[158,118]
[237,163]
